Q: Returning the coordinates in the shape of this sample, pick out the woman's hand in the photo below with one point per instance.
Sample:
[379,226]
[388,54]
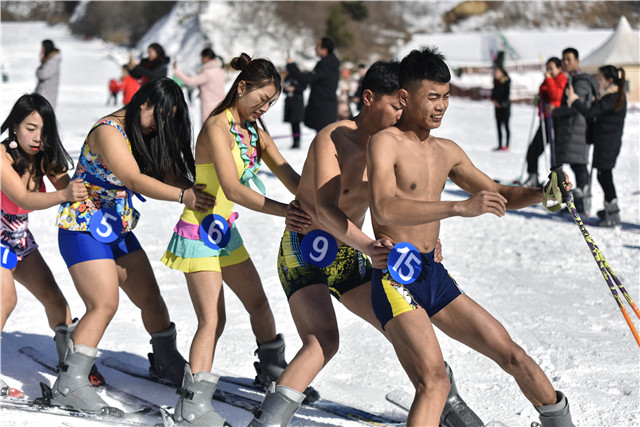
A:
[571,95]
[295,218]
[196,199]
[76,191]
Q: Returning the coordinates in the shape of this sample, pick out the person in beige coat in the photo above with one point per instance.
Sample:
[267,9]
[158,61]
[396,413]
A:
[48,73]
[209,79]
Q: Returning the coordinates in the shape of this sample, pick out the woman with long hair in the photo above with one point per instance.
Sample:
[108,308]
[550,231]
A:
[606,116]
[32,151]
[228,153]
[141,149]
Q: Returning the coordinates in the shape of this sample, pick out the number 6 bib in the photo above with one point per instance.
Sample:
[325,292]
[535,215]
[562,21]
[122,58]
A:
[215,231]
[105,225]
[319,248]
[404,263]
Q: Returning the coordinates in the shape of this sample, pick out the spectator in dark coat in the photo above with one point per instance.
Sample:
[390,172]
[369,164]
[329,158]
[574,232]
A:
[293,106]
[606,116]
[570,128]
[322,107]
[48,73]
[156,64]
[500,97]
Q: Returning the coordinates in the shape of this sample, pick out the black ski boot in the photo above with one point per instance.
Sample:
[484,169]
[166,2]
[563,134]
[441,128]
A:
[456,413]
[278,407]
[556,415]
[271,363]
[166,361]
[62,337]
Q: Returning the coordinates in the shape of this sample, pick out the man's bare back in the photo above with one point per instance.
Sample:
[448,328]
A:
[341,144]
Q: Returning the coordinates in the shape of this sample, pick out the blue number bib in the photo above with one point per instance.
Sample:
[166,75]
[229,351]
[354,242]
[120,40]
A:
[9,258]
[404,263]
[319,248]
[215,231]
[105,225]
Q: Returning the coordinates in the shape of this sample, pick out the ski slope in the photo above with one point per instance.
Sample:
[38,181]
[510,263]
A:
[530,269]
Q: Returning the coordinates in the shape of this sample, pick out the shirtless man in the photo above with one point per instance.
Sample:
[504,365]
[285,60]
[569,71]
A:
[333,190]
[407,169]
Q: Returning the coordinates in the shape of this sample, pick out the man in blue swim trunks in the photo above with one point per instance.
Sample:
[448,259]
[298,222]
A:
[407,169]
[333,189]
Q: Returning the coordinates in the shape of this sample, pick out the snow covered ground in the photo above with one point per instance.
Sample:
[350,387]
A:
[531,269]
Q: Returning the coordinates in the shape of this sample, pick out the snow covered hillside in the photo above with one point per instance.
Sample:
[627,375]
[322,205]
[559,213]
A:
[531,269]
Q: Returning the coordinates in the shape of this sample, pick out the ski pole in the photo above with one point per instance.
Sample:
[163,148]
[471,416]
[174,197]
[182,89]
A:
[557,187]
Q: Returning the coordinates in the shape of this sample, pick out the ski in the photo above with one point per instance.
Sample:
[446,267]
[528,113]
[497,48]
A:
[244,402]
[236,400]
[122,396]
[137,418]
[400,398]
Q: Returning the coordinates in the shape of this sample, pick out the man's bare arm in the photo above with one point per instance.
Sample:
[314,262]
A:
[471,179]
[390,209]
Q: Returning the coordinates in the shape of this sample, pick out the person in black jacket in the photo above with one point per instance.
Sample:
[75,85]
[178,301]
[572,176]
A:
[156,64]
[293,106]
[571,131]
[322,107]
[500,97]
[606,116]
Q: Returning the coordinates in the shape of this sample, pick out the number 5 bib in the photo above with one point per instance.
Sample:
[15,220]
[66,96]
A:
[105,225]
[404,263]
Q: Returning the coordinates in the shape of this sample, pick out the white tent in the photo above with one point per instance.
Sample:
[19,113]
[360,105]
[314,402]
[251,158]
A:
[622,49]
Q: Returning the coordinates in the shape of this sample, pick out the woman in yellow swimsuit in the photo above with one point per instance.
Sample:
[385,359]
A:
[228,152]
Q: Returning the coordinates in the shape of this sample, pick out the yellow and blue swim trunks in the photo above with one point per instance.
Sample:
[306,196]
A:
[433,290]
[350,269]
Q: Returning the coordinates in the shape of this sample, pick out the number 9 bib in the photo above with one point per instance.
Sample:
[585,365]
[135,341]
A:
[9,258]
[105,225]
[319,248]
[404,263]
[215,231]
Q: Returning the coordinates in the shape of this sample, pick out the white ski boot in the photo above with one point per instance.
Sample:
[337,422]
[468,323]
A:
[72,388]
[556,415]
[194,406]
[62,337]
[278,407]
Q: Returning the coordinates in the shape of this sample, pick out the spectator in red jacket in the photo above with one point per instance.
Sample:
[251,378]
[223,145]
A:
[549,97]
[114,90]
[129,85]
